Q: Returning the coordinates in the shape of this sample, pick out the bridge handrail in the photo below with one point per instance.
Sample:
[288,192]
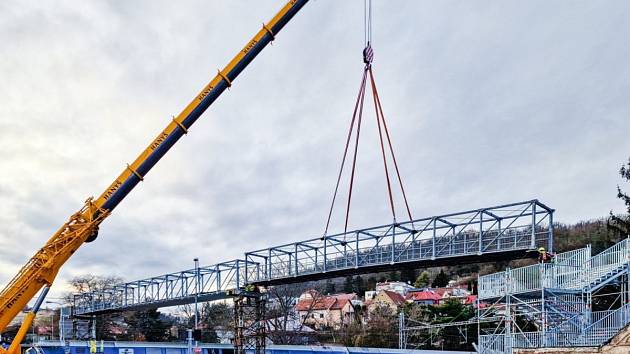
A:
[613,257]
[504,228]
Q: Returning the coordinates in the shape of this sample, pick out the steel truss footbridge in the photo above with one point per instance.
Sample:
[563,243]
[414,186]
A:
[502,232]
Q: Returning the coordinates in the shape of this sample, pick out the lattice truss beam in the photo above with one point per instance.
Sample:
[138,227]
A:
[494,230]
[517,226]
[206,283]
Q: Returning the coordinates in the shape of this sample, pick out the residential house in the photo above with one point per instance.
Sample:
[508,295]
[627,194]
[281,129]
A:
[369,295]
[399,287]
[309,294]
[472,300]
[331,311]
[424,297]
[390,299]
[457,293]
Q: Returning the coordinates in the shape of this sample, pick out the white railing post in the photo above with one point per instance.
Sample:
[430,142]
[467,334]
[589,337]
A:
[550,234]
[481,233]
[269,265]
[533,240]
[433,241]
[325,254]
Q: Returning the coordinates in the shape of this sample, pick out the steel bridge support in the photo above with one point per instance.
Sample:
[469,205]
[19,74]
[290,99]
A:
[250,329]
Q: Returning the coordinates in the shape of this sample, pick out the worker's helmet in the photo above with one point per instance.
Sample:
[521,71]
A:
[541,249]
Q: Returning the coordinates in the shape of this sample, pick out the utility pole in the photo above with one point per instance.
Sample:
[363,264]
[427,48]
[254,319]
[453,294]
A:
[52,325]
[197,289]
[62,336]
[189,331]
[196,292]
[402,342]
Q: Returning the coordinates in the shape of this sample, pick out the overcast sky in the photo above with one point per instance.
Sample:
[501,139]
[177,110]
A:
[488,102]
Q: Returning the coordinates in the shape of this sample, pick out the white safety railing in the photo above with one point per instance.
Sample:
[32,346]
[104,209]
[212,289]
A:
[568,278]
[608,323]
[573,270]
[598,315]
[576,257]
[526,279]
[566,271]
[527,340]
[492,344]
[608,261]
[569,268]
[492,285]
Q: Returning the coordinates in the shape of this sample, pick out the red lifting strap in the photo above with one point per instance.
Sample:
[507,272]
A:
[357,116]
[377,100]
[345,152]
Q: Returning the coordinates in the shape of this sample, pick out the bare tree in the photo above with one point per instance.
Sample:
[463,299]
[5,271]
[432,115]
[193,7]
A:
[90,283]
[187,313]
[381,330]
[108,326]
[621,223]
[285,324]
[212,316]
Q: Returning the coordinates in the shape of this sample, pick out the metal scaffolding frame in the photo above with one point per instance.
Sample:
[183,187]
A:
[501,232]
[550,304]
[250,328]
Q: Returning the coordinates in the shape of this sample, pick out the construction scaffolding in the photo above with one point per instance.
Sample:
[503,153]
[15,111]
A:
[552,304]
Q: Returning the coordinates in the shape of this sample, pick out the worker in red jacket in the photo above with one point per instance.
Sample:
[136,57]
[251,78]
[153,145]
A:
[544,256]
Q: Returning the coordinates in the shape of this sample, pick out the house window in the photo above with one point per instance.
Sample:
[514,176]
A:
[321,315]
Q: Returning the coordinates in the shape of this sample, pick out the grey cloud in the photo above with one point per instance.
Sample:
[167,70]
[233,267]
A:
[487,102]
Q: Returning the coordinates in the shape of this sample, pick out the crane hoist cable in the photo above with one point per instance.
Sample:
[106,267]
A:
[367,22]
[383,133]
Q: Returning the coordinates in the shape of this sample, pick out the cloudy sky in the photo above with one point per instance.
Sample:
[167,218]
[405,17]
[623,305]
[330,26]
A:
[488,102]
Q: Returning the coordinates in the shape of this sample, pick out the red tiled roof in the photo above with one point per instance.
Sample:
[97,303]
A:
[441,291]
[424,295]
[472,300]
[340,303]
[396,297]
[333,302]
[315,304]
[351,296]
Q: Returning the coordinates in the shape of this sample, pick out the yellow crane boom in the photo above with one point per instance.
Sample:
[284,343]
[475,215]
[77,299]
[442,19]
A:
[41,270]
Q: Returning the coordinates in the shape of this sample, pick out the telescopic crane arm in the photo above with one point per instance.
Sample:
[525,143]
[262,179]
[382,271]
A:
[41,270]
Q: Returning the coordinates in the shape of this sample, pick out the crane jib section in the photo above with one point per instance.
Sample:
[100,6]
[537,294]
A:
[42,268]
[135,172]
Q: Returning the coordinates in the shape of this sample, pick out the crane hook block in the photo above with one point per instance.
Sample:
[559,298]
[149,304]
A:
[368,54]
